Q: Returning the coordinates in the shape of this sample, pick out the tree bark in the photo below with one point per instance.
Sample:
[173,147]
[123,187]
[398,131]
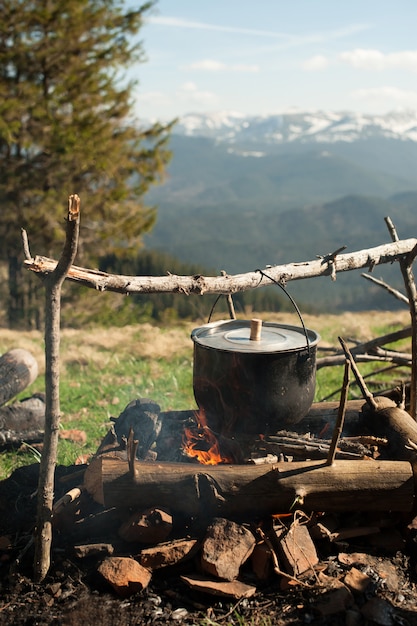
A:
[252,490]
[53,284]
[18,370]
[227,284]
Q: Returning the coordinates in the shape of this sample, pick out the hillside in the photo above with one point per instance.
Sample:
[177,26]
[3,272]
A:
[241,195]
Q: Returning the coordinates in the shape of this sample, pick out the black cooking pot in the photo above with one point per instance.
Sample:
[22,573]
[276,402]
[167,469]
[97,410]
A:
[249,379]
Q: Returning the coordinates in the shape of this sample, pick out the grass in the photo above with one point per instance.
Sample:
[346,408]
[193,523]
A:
[102,370]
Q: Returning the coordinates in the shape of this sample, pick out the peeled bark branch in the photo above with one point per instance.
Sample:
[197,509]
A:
[227,284]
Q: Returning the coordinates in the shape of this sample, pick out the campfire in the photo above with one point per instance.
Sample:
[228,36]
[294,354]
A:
[201,443]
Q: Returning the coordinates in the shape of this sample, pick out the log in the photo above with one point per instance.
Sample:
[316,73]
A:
[18,369]
[22,421]
[252,490]
[388,420]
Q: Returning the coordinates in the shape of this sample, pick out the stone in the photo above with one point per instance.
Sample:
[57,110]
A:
[226,546]
[169,553]
[230,589]
[151,526]
[125,575]
[357,580]
[296,548]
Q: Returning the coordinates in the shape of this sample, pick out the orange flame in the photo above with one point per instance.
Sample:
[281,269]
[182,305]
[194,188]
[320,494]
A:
[200,442]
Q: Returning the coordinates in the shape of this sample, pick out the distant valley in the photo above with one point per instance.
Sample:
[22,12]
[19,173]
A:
[242,193]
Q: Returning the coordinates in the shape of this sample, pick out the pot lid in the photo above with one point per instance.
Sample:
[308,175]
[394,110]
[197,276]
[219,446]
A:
[235,336]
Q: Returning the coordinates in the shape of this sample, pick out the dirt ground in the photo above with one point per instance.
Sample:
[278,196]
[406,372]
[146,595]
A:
[74,593]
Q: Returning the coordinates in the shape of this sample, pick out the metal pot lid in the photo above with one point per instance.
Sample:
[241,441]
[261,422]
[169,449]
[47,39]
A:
[234,336]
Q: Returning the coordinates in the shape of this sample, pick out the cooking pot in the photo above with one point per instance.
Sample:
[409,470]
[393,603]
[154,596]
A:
[253,377]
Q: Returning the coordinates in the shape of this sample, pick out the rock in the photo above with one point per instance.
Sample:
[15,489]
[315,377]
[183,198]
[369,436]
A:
[336,598]
[379,611]
[152,526]
[169,553]
[226,546]
[261,561]
[296,548]
[234,589]
[357,580]
[125,575]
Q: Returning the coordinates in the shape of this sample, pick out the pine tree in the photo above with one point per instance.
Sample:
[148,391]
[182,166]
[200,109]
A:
[66,126]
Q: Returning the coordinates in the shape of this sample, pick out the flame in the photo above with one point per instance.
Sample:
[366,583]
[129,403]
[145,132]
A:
[200,442]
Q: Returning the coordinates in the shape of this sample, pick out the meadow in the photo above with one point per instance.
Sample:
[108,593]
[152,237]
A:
[103,369]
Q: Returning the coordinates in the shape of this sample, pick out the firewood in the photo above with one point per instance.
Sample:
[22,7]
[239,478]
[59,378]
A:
[18,369]
[20,418]
[252,490]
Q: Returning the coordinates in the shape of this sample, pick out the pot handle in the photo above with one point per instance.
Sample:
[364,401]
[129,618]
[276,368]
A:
[263,274]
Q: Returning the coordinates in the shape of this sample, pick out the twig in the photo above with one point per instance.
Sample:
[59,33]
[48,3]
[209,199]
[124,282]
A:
[394,292]
[276,567]
[340,416]
[361,383]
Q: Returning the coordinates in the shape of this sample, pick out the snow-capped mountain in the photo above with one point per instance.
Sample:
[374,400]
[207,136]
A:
[298,127]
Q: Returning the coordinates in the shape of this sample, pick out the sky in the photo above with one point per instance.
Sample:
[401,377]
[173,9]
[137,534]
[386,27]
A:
[274,56]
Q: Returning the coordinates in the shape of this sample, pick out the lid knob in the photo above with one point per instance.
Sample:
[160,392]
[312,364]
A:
[255,329]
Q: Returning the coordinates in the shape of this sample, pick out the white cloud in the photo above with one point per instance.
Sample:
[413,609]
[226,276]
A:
[369,59]
[209,65]
[184,23]
[316,63]
[190,92]
[404,97]
[288,38]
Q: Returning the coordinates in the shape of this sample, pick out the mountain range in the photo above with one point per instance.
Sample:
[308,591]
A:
[244,192]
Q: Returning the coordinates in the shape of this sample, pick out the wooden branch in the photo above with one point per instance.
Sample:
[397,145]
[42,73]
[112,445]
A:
[340,416]
[53,283]
[411,289]
[394,292]
[361,351]
[252,490]
[228,284]
[360,381]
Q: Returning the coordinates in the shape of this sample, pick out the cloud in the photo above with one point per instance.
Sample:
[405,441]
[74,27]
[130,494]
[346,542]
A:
[287,39]
[209,65]
[191,93]
[404,97]
[184,23]
[315,63]
[369,59]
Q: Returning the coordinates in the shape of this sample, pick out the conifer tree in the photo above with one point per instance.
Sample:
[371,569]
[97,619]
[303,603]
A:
[66,126]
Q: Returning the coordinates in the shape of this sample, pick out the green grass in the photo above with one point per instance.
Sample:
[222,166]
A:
[102,370]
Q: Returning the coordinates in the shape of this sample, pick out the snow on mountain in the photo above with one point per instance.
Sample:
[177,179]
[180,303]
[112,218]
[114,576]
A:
[315,127]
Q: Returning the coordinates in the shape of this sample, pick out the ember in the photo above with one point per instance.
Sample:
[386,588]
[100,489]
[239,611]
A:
[201,443]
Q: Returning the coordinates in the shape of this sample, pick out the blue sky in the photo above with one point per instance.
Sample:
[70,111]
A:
[271,56]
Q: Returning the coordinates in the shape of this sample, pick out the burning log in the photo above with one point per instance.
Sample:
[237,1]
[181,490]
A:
[252,490]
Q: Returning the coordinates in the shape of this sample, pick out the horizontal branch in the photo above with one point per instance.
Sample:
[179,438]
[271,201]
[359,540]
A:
[226,284]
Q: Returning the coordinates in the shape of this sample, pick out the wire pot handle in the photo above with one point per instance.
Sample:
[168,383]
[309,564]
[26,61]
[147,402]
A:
[263,274]
[293,302]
